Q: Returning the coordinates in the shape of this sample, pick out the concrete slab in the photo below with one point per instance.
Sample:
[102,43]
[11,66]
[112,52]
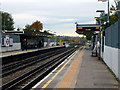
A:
[94,74]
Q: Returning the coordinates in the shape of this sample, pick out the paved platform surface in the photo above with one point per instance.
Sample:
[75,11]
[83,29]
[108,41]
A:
[5,54]
[83,71]
[92,73]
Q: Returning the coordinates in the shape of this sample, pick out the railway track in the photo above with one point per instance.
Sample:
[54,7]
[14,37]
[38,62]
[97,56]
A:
[19,57]
[28,79]
[16,66]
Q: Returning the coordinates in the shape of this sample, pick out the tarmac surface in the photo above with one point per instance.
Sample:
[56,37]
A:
[81,71]
[94,74]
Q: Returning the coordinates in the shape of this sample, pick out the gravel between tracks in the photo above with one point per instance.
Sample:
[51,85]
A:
[16,74]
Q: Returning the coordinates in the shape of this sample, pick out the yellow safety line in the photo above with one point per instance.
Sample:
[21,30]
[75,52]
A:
[59,71]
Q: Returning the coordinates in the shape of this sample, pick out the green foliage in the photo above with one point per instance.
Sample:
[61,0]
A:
[34,26]
[88,36]
[7,21]
[28,28]
[37,25]
[52,37]
[65,39]
[113,18]
[46,31]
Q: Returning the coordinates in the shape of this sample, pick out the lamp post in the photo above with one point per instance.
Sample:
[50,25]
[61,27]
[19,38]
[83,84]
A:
[0,29]
[99,38]
[119,24]
[102,14]
[108,9]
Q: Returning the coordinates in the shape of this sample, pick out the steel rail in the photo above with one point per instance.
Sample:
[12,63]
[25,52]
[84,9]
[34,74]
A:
[29,64]
[43,74]
[19,63]
[15,81]
[19,57]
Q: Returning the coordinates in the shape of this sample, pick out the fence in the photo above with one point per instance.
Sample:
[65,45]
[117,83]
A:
[111,36]
[111,48]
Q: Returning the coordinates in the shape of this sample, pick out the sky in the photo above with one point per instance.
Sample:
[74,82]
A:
[56,15]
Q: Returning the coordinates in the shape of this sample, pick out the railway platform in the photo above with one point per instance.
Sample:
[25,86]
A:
[80,70]
[12,53]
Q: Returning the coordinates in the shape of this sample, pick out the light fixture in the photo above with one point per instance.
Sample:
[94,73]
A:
[108,8]
[102,0]
[100,11]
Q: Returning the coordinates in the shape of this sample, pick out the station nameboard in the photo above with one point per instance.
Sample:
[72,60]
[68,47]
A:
[83,28]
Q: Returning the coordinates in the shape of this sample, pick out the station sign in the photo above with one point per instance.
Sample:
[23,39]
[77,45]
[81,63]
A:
[7,41]
[86,28]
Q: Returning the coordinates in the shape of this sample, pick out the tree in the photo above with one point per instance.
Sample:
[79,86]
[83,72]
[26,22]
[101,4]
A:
[46,31]
[114,7]
[88,36]
[7,21]
[28,28]
[34,26]
[113,18]
[37,25]
[76,40]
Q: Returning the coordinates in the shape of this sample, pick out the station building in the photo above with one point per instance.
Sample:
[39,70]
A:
[13,40]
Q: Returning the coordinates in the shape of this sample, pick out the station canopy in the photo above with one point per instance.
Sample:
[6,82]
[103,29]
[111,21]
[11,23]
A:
[87,28]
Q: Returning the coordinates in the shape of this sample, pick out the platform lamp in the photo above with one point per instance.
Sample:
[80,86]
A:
[108,8]
[102,14]
[0,29]
[101,11]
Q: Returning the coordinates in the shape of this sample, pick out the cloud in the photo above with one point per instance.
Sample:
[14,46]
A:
[53,1]
[67,20]
[22,19]
[56,15]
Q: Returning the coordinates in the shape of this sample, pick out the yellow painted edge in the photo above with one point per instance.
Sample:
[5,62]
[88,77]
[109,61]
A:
[72,79]
[59,71]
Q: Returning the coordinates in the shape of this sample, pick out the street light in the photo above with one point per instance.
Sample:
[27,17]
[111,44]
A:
[99,18]
[108,8]
[102,14]
[101,11]
[99,37]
